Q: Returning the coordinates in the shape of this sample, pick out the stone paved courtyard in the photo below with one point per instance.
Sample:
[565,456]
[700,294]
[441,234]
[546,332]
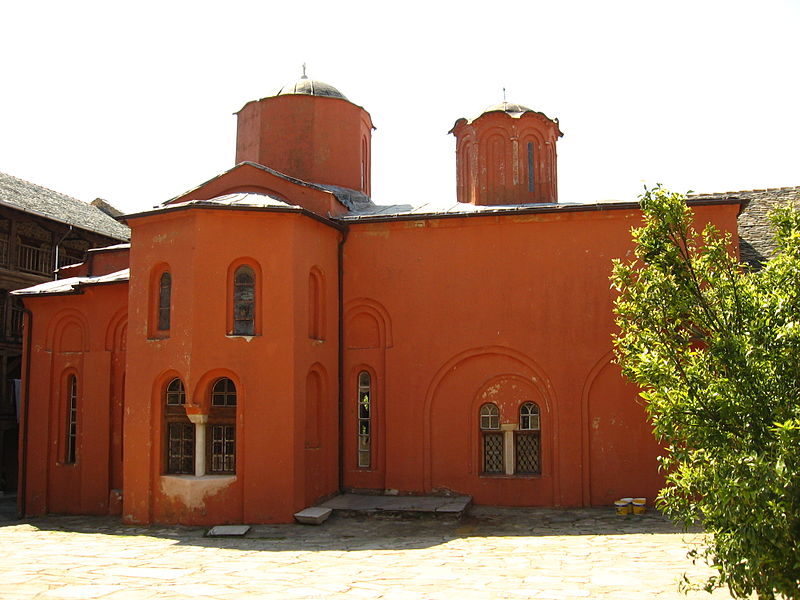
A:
[492,553]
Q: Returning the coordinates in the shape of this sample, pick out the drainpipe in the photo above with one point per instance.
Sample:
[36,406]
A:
[22,478]
[58,244]
[340,282]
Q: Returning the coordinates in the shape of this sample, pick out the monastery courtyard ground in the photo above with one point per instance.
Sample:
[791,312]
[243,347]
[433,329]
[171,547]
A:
[492,553]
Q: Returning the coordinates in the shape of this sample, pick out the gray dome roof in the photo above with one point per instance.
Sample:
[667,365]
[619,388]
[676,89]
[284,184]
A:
[310,87]
[508,107]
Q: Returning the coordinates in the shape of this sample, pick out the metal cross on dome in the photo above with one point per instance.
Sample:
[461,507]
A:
[304,72]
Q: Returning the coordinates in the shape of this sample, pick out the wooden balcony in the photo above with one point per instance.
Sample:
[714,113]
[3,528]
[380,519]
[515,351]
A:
[31,259]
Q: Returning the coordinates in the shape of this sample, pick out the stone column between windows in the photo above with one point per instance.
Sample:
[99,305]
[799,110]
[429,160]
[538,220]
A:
[199,443]
[508,430]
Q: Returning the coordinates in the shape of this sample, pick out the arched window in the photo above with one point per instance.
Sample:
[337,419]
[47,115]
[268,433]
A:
[175,392]
[491,438]
[223,393]
[71,445]
[364,407]
[179,431]
[244,301]
[221,444]
[164,301]
[527,441]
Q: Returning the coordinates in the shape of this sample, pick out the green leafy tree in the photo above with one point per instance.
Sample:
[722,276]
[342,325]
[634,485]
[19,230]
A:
[716,350]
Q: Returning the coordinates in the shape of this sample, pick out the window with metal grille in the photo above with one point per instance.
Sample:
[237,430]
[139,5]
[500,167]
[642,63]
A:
[492,439]
[180,448]
[180,432]
[223,448]
[70,453]
[527,441]
[364,408]
[244,301]
[221,435]
[164,301]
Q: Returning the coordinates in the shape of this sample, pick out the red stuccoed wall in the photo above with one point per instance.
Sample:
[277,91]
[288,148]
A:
[84,335]
[276,474]
[451,313]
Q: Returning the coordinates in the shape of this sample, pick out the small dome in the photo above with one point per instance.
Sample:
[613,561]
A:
[508,107]
[310,87]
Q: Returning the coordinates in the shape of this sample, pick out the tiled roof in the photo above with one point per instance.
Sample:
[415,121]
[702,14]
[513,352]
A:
[756,243]
[29,197]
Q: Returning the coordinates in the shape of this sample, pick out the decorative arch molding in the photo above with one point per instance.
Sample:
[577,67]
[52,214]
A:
[116,338]
[317,304]
[536,377]
[586,474]
[63,324]
[375,310]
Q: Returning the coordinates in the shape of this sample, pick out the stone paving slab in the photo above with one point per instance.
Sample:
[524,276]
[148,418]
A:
[398,504]
[492,553]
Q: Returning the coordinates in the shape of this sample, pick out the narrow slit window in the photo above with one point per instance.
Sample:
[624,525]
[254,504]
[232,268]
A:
[491,439]
[164,301]
[244,301]
[70,454]
[531,183]
[364,420]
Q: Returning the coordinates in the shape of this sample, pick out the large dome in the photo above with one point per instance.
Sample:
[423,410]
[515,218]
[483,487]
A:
[310,87]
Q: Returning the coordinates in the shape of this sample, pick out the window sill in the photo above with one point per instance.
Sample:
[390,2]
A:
[514,476]
[206,477]
[247,338]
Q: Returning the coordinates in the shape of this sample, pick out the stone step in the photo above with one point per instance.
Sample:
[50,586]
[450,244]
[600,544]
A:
[450,506]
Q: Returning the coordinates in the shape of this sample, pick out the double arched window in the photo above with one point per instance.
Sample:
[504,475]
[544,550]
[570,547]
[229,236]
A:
[219,454]
[522,439]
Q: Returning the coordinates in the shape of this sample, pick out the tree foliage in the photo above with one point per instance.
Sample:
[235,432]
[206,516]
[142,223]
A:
[716,351]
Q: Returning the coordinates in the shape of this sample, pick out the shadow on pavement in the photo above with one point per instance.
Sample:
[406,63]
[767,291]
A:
[375,531]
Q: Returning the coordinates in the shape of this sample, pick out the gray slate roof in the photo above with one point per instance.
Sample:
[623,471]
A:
[756,243]
[29,197]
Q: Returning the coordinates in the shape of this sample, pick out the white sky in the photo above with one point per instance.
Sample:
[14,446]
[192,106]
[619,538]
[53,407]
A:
[133,102]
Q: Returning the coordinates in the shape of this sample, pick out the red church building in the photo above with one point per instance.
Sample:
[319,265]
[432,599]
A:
[273,336]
